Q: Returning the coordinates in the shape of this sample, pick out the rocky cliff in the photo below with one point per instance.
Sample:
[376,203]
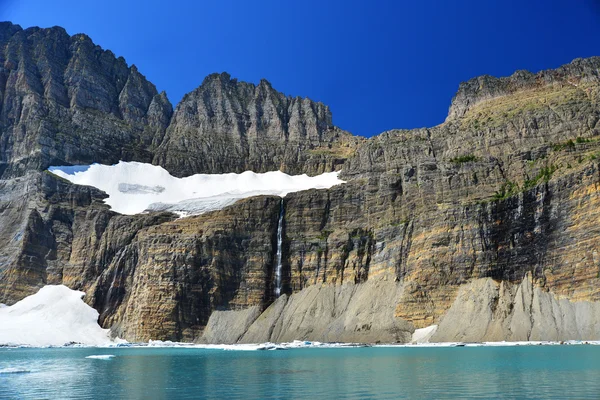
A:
[65,100]
[230,126]
[486,225]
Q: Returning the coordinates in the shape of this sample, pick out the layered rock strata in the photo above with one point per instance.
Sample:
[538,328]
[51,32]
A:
[230,126]
[486,225]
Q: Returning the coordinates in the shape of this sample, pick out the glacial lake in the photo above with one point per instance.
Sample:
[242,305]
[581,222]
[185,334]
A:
[541,372]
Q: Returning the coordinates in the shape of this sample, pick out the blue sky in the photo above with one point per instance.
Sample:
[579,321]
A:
[379,65]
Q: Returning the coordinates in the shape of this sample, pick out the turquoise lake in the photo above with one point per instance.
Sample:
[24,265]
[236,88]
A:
[541,372]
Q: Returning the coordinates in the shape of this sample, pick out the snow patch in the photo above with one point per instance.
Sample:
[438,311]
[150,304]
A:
[54,316]
[134,187]
[424,334]
[101,356]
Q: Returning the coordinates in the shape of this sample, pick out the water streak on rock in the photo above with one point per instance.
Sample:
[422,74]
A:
[278,257]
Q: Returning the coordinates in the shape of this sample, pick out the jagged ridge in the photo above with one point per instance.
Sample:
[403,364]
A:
[230,126]
[506,189]
[65,100]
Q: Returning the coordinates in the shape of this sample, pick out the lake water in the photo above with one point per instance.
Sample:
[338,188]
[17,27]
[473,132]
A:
[355,373]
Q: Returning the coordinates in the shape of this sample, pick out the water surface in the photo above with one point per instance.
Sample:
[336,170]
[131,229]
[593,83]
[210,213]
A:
[367,373]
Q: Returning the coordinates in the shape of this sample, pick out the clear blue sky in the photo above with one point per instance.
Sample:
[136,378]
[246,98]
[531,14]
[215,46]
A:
[378,64]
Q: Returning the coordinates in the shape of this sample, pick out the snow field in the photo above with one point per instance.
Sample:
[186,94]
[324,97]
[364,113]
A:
[135,187]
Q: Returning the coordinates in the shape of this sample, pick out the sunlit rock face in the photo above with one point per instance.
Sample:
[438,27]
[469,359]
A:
[502,196]
[66,100]
[227,126]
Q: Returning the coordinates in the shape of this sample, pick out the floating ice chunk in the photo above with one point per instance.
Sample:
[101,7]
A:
[303,344]
[101,356]
[134,187]
[54,316]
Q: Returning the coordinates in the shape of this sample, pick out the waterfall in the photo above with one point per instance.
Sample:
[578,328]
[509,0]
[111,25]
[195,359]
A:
[278,257]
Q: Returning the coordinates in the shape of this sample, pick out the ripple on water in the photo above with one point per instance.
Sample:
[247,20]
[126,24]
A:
[413,373]
[4,371]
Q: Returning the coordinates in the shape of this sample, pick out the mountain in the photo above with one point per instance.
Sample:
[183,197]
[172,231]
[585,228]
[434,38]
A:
[67,101]
[229,126]
[486,225]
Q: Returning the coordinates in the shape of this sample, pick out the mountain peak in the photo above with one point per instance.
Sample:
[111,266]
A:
[487,87]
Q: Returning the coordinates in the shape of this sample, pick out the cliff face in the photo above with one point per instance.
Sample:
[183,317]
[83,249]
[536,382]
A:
[230,126]
[486,225]
[65,100]
[478,90]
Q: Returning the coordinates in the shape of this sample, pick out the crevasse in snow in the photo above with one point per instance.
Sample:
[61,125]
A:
[135,187]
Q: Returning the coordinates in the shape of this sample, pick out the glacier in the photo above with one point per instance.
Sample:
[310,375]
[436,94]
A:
[135,187]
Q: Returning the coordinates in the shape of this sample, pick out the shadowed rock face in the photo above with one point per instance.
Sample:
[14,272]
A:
[453,225]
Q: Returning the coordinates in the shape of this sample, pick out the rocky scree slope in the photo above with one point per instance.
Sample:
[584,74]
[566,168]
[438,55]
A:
[485,225]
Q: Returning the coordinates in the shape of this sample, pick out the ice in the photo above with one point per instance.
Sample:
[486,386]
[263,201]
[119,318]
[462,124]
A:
[304,344]
[135,187]
[493,344]
[139,189]
[424,334]
[101,356]
[54,316]
[238,347]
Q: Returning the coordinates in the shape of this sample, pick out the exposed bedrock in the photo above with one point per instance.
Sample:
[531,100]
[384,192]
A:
[488,310]
[230,126]
[449,225]
[484,310]
[54,232]
[363,313]
[65,100]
